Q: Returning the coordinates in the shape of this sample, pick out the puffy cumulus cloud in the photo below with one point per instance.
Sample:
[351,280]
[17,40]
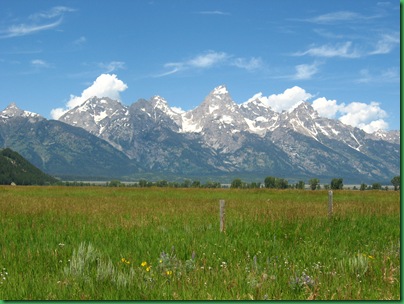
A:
[287,100]
[327,108]
[106,85]
[368,117]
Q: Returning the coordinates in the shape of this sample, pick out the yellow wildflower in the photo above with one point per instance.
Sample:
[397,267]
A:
[144,264]
[169,272]
[148,268]
[371,257]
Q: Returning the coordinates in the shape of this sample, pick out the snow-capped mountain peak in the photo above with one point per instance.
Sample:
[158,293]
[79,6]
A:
[221,136]
[13,111]
[220,90]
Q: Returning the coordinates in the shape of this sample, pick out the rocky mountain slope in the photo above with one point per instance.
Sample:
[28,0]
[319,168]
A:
[102,138]
[222,137]
[60,149]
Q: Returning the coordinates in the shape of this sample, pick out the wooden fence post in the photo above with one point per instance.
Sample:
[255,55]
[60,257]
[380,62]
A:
[222,216]
[330,204]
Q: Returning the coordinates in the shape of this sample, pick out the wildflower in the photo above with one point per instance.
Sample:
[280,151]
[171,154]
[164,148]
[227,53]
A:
[169,272]
[371,257]
[125,261]
[148,268]
[144,264]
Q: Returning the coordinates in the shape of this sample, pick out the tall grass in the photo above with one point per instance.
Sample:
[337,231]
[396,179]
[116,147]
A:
[115,244]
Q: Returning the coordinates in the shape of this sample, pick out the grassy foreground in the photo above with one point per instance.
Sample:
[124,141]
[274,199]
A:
[95,243]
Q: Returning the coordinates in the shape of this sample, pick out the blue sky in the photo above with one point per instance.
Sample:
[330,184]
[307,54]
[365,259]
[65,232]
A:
[342,56]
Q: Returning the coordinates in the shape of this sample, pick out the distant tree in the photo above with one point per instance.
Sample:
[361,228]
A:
[337,184]
[326,186]
[396,181]
[162,183]
[300,185]
[236,183]
[142,183]
[210,184]
[363,187]
[281,183]
[186,183]
[115,183]
[196,184]
[376,186]
[270,182]
[314,182]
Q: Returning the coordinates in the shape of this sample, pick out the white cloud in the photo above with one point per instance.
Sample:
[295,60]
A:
[368,117]
[213,13]
[340,50]
[362,115]
[327,108]
[37,23]
[341,16]
[207,60]
[305,71]
[106,85]
[54,12]
[248,64]
[212,59]
[112,66]
[80,41]
[24,29]
[286,100]
[39,63]
[203,61]
[374,126]
[386,44]
[379,76]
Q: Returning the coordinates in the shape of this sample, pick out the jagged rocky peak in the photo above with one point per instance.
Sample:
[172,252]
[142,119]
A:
[102,102]
[220,90]
[219,99]
[160,103]
[304,108]
[13,110]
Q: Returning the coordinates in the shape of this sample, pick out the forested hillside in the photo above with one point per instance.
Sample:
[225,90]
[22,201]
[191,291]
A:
[16,169]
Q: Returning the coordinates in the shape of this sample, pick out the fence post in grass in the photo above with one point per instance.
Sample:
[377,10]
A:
[222,216]
[330,204]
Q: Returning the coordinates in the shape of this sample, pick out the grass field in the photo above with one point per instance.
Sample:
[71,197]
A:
[98,243]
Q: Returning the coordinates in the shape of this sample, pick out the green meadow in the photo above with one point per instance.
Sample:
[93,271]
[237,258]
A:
[99,243]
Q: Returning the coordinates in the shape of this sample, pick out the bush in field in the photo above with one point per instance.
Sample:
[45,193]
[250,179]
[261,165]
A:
[314,182]
[396,181]
[236,183]
[337,184]
[376,186]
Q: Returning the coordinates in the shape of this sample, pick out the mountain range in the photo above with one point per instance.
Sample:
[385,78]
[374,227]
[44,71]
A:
[219,139]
